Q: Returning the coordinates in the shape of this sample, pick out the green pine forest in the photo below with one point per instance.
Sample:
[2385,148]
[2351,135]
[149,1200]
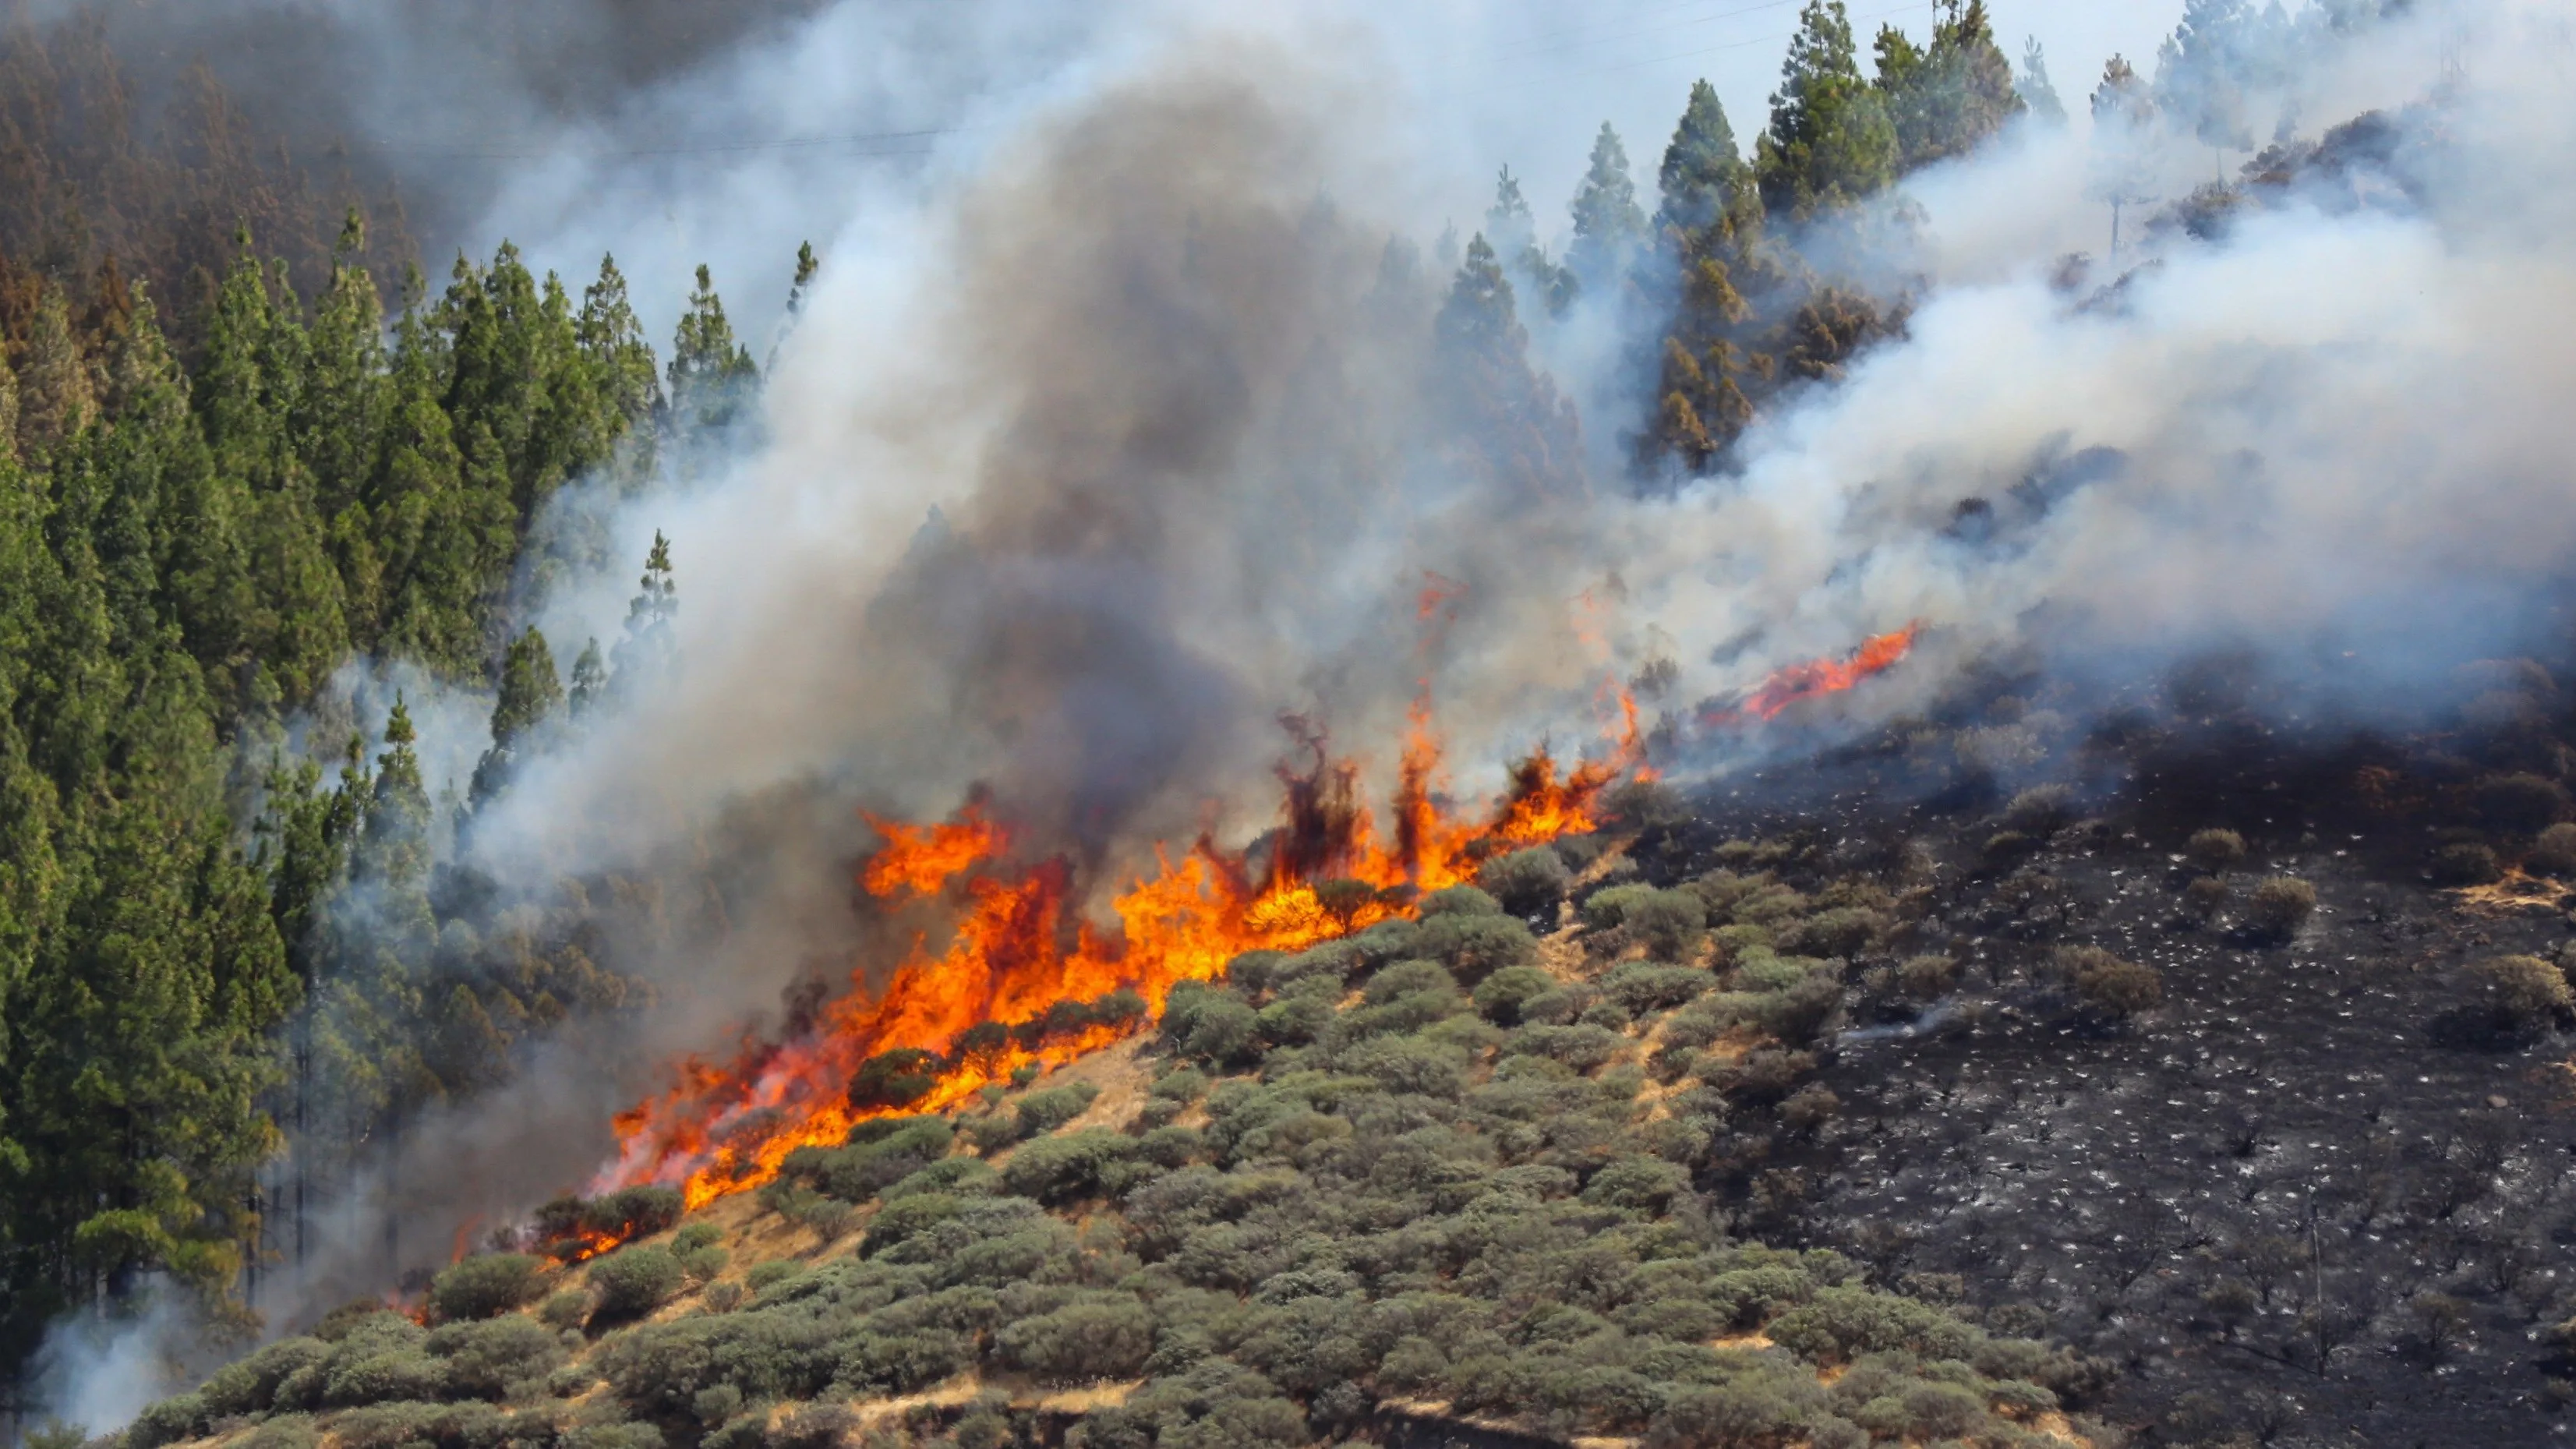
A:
[247,447]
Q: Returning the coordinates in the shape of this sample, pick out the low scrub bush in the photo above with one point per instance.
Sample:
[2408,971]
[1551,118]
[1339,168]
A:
[632,1282]
[2521,804]
[2554,853]
[2215,849]
[2279,907]
[2465,864]
[485,1285]
[1527,882]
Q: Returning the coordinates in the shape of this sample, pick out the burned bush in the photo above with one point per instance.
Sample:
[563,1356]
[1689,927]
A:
[2278,908]
[2215,850]
[2520,804]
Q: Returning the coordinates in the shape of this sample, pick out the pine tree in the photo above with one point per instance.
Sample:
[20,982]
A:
[1830,141]
[712,376]
[56,397]
[650,650]
[2202,71]
[589,681]
[530,694]
[612,338]
[2035,88]
[1514,234]
[1608,225]
[1507,421]
[1703,177]
[1947,98]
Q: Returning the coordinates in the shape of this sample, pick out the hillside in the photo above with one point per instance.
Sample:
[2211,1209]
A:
[1431,1181]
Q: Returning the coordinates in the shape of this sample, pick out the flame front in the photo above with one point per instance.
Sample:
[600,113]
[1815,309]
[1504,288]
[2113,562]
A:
[1020,981]
[1795,682]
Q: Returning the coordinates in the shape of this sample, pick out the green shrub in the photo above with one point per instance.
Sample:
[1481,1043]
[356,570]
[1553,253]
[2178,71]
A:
[2465,864]
[695,1236]
[1810,1107]
[1765,1406]
[487,1359]
[2522,804]
[381,1378]
[1839,1324]
[634,1281]
[1839,931]
[1079,1343]
[1474,947]
[1502,995]
[1293,1020]
[172,1419]
[1527,882]
[899,1219]
[764,1276]
[564,1310]
[1042,1112]
[1643,804]
[1642,986]
[2280,906]
[485,1285]
[1644,1184]
[1065,1168]
[2215,850]
[250,1384]
[1404,978]
[956,1176]
[1458,900]
[611,1436]
[1580,1047]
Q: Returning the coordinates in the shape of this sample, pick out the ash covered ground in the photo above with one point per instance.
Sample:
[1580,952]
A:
[2322,1191]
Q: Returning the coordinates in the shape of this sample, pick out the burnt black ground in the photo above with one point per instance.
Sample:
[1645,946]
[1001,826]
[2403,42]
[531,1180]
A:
[2285,1155]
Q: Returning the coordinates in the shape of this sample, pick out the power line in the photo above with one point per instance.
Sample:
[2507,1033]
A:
[469,152]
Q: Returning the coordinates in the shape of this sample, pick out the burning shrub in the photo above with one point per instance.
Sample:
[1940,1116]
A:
[2108,990]
[1527,882]
[2522,804]
[633,1212]
[2554,853]
[1474,947]
[892,1081]
[1502,995]
[485,1285]
[2279,907]
[1102,1339]
[632,1282]
[2465,864]
[2215,850]
[880,1153]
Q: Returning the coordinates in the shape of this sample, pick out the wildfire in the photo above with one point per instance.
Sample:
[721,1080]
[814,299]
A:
[1789,685]
[1022,980]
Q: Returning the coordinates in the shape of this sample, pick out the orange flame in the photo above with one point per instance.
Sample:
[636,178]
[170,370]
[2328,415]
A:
[918,860]
[1022,982]
[1789,685]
